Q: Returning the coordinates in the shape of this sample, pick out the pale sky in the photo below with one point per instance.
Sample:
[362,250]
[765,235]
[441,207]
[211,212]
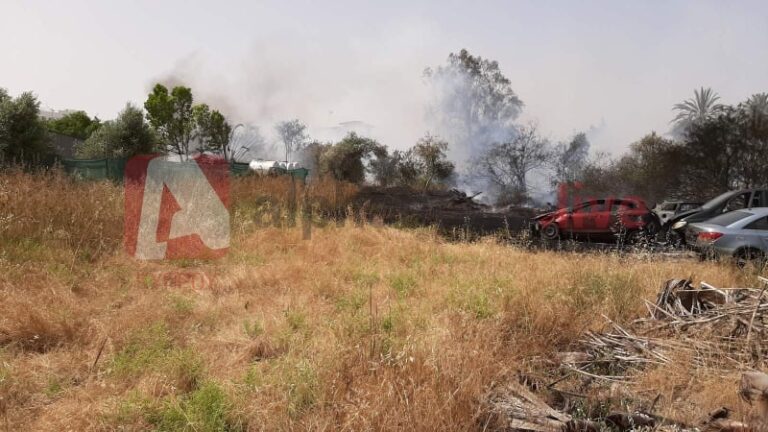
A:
[614,68]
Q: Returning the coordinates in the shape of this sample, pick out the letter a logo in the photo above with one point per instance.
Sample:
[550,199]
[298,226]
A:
[176,209]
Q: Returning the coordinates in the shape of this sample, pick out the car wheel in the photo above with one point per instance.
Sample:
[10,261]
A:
[551,231]
[749,256]
[633,237]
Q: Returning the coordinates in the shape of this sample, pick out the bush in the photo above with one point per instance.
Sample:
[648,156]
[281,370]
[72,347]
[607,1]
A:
[207,409]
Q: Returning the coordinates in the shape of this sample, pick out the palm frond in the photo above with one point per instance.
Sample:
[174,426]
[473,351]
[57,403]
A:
[702,105]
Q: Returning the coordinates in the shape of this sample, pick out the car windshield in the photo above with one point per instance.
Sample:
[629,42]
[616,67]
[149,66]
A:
[668,207]
[729,218]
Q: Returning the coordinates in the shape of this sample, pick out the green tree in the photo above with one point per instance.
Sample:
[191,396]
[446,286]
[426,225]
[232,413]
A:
[171,114]
[76,124]
[22,133]
[430,150]
[214,132]
[409,168]
[385,166]
[653,169]
[179,123]
[752,166]
[755,110]
[569,159]
[346,160]
[714,149]
[293,135]
[128,135]
[312,155]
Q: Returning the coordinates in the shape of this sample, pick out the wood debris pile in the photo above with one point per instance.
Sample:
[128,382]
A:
[731,313]
[514,407]
[705,326]
[711,327]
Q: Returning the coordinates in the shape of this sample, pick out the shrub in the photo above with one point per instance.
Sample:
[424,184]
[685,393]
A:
[207,409]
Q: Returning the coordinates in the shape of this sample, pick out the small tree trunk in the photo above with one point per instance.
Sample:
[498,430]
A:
[429,180]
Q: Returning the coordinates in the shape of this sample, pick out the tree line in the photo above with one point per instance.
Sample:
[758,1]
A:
[713,148]
[172,123]
[710,148]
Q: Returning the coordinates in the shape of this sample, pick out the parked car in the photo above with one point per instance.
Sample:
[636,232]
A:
[668,209]
[740,234]
[598,218]
[729,201]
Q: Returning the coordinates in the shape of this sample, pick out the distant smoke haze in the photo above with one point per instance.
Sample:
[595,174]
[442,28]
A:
[384,98]
[388,98]
[574,64]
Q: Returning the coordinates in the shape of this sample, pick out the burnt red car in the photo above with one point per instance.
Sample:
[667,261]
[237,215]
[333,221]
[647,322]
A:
[598,218]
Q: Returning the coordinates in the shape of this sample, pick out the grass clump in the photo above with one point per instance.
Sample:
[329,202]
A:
[302,387]
[151,350]
[182,305]
[253,329]
[144,349]
[473,299]
[404,284]
[207,409]
[296,319]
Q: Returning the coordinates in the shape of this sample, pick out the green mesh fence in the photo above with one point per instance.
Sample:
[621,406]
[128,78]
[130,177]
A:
[299,173]
[96,169]
[113,169]
[238,169]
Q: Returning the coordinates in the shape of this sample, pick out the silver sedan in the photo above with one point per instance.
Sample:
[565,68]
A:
[740,234]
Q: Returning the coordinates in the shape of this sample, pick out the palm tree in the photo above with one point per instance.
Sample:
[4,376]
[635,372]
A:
[701,106]
[757,105]
[756,109]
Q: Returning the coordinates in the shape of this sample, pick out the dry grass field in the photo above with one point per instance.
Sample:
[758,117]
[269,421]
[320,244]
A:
[362,327]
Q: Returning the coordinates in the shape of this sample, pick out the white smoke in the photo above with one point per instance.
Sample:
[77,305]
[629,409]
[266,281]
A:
[331,90]
[248,143]
[385,93]
[473,113]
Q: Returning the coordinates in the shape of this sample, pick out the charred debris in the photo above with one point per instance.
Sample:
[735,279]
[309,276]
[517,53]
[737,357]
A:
[712,329]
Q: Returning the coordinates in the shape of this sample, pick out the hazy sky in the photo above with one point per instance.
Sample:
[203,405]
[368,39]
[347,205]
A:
[612,67]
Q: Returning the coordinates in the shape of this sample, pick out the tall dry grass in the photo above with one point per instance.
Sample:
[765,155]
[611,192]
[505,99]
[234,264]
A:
[325,193]
[50,208]
[358,328]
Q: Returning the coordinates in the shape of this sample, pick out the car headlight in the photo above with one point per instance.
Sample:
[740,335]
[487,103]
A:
[679,224]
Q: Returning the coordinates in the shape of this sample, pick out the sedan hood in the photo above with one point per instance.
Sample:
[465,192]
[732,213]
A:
[683,215]
[547,215]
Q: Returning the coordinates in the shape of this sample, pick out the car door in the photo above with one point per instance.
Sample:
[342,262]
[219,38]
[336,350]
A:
[584,218]
[614,217]
[756,233]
